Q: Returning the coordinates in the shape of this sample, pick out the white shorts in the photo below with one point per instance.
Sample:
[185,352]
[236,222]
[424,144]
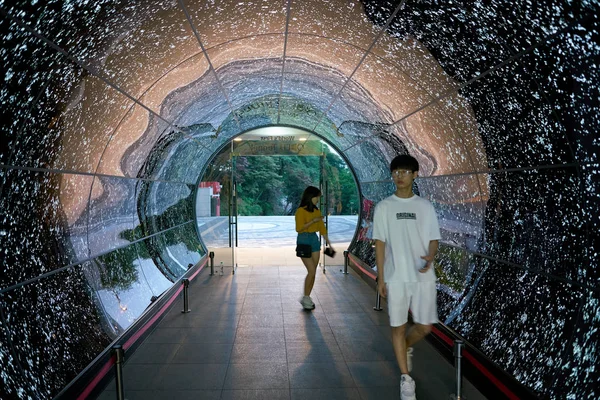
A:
[419,297]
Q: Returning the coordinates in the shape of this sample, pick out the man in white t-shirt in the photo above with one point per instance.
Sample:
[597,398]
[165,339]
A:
[406,233]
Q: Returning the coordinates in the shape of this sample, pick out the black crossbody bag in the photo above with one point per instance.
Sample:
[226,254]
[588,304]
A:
[303,251]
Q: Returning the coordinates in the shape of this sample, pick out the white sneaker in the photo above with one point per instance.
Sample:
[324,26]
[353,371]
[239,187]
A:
[409,354]
[307,303]
[407,388]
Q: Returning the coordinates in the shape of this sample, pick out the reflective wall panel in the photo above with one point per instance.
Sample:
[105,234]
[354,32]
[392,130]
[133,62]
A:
[533,219]
[518,128]
[56,330]
[44,223]
[567,76]
[504,306]
[111,214]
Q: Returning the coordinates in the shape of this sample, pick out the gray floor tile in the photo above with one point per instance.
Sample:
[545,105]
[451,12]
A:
[294,306]
[320,375]
[167,335]
[264,394]
[219,303]
[261,321]
[263,281]
[210,334]
[258,307]
[259,335]
[265,300]
[348,319]
[306,352]
[262,289]
[245,353]
[203,353]
[177,320]
[222,299]
[340,298]
[257,376]
[375,373]
[140,376]
[153,353]
[107,394]
[372,350]
[129,395]
[208,320]
[306,333]
[357,332]
[218,310]
[335,308]
[330,295]
[185,395]
[385,393]
[192,377]
[386,331]
[302,317]
[326,394]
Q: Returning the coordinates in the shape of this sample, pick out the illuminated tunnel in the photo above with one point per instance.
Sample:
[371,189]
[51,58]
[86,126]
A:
[111,109]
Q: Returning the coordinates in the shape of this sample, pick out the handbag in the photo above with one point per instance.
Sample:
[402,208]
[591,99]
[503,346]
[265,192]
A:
[303,251]
[329,252]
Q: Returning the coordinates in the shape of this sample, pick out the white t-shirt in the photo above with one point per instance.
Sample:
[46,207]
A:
[406,226]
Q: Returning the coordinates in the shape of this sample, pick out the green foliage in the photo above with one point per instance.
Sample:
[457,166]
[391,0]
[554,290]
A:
[273,185]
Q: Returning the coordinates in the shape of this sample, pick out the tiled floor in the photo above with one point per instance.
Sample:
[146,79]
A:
[247,337]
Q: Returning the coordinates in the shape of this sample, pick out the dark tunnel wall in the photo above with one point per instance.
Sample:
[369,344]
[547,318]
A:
[110,111]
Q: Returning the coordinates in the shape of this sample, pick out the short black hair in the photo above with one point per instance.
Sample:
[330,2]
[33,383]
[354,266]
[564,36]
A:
[404,161]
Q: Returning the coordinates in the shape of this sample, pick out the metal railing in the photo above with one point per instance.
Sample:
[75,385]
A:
[458,347]
[120,355]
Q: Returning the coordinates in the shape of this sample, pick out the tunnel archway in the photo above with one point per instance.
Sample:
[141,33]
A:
[320,164]
[498,102]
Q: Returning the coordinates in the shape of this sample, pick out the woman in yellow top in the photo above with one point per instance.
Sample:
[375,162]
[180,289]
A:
[309,221]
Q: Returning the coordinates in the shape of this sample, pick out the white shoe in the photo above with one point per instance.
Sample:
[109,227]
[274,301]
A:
[307,303]
[409,354]
[407,388]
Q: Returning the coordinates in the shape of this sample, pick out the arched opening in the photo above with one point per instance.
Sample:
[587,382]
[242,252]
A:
[249,191]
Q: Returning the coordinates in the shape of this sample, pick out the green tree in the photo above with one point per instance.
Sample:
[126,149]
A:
[273,185]
[259,185]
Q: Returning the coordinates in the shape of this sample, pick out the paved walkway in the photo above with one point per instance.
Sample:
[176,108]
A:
[247,337]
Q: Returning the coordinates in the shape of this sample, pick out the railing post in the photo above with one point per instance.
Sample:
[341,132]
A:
[458,347]
[346,262]
[378,298]
[118,350]
[186,285]
[211,255]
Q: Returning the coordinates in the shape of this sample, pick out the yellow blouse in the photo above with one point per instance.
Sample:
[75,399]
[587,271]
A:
[303,217]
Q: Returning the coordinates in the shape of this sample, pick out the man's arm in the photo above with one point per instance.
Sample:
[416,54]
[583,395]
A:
[433,248]
[380,260]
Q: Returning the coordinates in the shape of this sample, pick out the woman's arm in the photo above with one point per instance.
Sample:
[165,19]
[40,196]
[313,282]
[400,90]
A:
[323,230]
